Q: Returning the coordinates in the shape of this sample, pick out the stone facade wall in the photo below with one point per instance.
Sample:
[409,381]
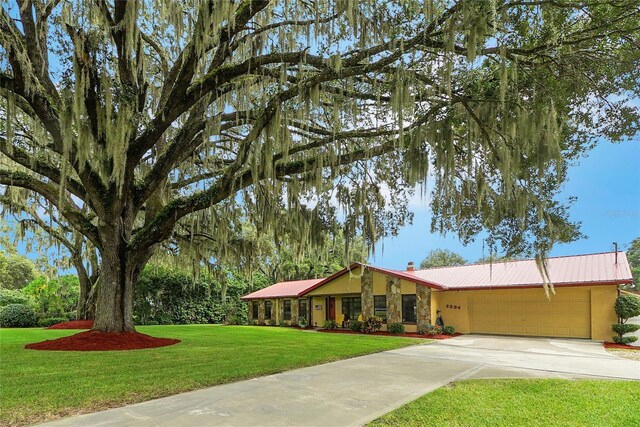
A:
[423,303]
[261,311]
[294,311]
[280,318]
[366,281]
[394,300]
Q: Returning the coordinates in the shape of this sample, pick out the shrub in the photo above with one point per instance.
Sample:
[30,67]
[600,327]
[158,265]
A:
[373,324]
[302,322]
[17,316]
[271,322]
[45,322]
[356,325]
[449,330]
[396,328]
[330,324]
[624,340]
[624,328]
[13,296]
[627,306]
[425,329]
[436,330]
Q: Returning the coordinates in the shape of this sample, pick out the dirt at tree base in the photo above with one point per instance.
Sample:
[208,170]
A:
[102,341]
[608,344]
[74,324]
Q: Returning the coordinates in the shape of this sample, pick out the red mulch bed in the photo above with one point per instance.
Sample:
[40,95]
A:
[620,346]
[74,324]
[389,334]
[102,341]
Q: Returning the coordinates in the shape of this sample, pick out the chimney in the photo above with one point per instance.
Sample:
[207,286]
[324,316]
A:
[615,244]
[410,266]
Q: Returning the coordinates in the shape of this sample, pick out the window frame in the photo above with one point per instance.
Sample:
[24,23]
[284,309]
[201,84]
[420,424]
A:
[377,310]
[415,308]
[350,304]
[255,309]
[286,314]
[268,309]
[304,314]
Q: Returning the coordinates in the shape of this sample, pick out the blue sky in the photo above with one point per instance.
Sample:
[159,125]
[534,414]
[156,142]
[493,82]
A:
[606,183]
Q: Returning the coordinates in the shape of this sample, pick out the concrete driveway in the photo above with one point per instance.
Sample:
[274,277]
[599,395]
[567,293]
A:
[358,390]
[635,320]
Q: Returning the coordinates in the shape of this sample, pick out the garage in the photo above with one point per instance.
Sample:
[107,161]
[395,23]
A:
[528,312]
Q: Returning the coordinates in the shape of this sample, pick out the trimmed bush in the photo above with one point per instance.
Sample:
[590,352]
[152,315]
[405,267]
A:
[396,328]
[624,328]
[627,306]
[373,324]
[330,324]
[17,316]
[624,340]
[425,329]
[45,322]
[449,330]
[13,296]
[356,325]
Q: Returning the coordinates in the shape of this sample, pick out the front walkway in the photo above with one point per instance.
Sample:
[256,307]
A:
[358,390]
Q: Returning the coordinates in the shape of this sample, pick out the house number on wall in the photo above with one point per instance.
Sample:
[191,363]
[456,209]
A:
[318,306]
[453,306]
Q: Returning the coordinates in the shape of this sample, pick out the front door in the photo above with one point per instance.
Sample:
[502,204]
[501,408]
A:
[331,308]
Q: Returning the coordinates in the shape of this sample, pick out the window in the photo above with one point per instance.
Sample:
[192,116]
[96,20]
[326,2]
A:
[287,309]
[303,308]
[409,308]
[255,310]
[351,308]
[267,309]
[380,306]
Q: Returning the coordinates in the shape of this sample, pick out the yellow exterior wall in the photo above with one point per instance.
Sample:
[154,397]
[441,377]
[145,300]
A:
[345,284]
[318,316]
[452,316]
[379,283]
[603,314]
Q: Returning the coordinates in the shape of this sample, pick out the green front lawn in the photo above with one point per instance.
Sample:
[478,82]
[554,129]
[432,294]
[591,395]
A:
[40,385]
[523,402]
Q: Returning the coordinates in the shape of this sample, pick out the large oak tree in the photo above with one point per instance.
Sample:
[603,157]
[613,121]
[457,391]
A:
[131,117]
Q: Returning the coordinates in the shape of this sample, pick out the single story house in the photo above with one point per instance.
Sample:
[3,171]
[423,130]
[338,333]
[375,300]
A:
[504,297]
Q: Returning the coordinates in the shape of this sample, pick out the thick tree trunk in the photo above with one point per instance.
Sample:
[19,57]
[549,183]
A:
[119,270]
[86,302]
[114,303]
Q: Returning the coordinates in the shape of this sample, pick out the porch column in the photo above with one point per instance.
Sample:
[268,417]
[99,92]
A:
[394,300]
[294,311]
[366,286]
[280,319]
[423,302]
[261,311]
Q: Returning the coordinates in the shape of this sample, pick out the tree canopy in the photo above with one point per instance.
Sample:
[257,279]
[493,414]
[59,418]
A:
[633,256]
[129,120]
[442,258]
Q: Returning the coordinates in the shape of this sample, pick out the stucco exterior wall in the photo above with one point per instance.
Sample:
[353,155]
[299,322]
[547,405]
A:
[603,315]
[318,316]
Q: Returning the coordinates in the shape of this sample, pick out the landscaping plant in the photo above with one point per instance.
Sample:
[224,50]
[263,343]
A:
[626,306]
[330,324]
[396,328]
[373,324]
[449,330]
[17,316]
[356,326]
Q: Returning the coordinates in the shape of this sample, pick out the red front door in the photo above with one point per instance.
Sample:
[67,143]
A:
[331,308]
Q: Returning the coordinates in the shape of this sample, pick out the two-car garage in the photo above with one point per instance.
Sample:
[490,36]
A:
[529,312]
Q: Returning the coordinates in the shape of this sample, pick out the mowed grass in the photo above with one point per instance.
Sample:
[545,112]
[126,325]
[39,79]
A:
[523,402]
[41,385]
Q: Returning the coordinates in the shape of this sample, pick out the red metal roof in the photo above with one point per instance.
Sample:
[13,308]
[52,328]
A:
[292,288]
[590,269]
[576,270]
